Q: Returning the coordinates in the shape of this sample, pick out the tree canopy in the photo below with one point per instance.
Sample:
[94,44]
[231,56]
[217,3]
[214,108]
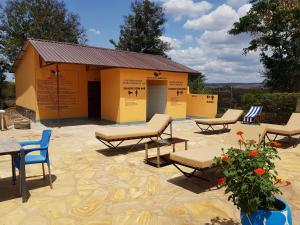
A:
[196,83]
[275,30]
[41,19]
[142,29]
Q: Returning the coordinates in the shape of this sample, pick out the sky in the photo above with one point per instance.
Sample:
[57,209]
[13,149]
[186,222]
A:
[195,29]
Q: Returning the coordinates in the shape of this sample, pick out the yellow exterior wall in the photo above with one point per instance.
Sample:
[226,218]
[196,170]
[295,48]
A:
[133,106]
[202,105]
[25,80]
[73,91]
[110,95]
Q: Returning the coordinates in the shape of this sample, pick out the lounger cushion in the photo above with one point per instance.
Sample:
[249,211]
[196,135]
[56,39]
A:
[154,127]
[159,122]
[230,116]
[199,158]
[203,157]
[284,130]
[128,132]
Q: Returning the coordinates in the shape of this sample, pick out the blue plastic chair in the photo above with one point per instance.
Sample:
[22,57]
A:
[42,157]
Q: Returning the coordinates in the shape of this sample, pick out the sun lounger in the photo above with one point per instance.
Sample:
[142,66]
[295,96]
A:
[155,128]
[292,128]
[202,158]
[253,116]
[231,116]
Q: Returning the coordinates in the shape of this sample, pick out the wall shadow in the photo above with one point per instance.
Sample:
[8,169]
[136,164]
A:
[75,122]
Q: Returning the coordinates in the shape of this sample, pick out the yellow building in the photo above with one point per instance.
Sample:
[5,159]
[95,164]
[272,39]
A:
[61,80]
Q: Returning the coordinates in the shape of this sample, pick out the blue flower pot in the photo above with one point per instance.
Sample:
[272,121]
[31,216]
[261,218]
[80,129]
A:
[262,217]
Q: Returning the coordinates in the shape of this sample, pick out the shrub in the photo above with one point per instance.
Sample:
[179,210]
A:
[249,175]
[277,107]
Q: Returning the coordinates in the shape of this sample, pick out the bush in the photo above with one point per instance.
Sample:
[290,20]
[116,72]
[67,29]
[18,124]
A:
[277,107]
[249,175]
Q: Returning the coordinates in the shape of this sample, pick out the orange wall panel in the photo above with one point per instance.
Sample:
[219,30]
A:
[199,105]
[25,80]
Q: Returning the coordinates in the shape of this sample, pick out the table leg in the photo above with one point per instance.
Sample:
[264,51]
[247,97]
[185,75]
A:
[13,168]
[158,157]
[146,152]
[23,177]
[185,145]
[173,147]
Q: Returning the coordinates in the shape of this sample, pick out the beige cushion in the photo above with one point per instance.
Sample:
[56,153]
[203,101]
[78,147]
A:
[284,130]
[128,132]
[203,157]
[291,128]
[159,122]
[200,158]
[154,127]
[230,116]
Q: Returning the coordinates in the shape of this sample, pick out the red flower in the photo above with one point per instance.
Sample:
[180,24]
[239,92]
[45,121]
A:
[288,183]
[224,158]
[278,180]
[252,141]
[241,141]
[240,133]
[221,181]
[259,171]
[253,153]
[276,144]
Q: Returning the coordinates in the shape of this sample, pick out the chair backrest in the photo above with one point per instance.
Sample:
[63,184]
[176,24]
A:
[44,142]
[251,132]
[45,138]
[294,120]
[232,114]
[254,111]
[159,122]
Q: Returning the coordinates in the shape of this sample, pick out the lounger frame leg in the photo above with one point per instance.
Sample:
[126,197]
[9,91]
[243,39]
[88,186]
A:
[206,129]
[192,174]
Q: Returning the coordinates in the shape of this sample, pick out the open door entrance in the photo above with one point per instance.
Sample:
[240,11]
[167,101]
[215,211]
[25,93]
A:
[94,99]
[156,97]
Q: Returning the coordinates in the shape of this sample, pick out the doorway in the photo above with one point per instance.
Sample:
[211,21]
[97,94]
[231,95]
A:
[156,97]
[94,99]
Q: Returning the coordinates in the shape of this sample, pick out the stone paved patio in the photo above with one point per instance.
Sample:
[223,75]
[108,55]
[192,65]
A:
[93,185]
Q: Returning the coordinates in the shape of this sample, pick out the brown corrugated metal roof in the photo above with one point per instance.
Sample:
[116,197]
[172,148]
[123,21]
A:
[58,52]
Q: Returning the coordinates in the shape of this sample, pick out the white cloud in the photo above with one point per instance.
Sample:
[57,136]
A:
[236,3]
[189,8]
[95,31]
[222,17]
[188,38]
[174,43]
[220,55]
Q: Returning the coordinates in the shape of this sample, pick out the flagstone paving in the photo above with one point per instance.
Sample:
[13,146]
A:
[93,185]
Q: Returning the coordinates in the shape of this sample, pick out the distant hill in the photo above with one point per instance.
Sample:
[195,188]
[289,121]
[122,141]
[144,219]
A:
[235,85]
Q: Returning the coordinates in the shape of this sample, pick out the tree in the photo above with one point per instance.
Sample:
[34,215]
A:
[41,19]
[275,29]
[196,83]
[142,29]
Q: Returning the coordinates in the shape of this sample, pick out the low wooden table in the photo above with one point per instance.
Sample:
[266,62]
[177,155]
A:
[9,146]
[159,159]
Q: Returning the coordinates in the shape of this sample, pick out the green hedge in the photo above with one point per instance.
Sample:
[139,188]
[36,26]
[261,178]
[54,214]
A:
[277,107]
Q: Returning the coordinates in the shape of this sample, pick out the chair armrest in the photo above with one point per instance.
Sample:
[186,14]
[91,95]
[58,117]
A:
[26,143]
[26,151]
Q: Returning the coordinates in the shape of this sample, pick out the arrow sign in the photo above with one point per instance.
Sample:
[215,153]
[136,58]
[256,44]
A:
[179,92]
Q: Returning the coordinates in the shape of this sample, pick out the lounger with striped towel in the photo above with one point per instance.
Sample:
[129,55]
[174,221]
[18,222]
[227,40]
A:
[253,116]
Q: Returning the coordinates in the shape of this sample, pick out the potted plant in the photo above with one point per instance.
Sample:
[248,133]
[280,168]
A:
[249,177]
